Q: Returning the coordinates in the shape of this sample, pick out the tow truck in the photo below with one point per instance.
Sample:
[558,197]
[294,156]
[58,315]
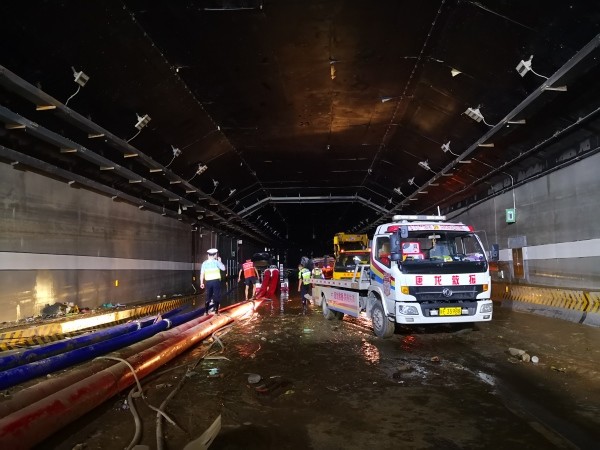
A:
[422,270]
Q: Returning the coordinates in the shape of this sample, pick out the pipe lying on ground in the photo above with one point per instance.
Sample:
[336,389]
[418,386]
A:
[55,348]
[20,374]
[34,393]
[30,425]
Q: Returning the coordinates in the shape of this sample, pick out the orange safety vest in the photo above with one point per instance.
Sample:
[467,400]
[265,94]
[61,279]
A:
[249,269]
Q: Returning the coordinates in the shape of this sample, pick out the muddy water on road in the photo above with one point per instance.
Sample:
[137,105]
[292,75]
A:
[334,385]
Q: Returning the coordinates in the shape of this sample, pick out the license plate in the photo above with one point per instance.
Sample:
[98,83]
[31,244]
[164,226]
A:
[457,311]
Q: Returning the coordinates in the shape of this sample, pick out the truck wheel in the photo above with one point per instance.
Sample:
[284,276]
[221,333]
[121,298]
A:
[382,326]
[327,313]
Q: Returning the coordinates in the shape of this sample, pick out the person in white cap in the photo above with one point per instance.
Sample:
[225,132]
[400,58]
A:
[210,273]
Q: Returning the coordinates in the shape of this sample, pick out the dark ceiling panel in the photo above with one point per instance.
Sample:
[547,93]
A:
[321,99]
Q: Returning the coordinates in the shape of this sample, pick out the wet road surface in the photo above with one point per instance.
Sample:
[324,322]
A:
[334,385]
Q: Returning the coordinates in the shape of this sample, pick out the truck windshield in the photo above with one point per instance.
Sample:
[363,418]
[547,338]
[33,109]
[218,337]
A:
[346,261]
[458,250]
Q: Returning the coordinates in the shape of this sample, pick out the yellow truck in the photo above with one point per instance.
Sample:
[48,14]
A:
[349,249]
[345,241]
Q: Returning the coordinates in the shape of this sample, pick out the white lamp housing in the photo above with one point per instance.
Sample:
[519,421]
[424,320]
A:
[424,165]
[474,114]
[524,66]
[80,78]
[142,121]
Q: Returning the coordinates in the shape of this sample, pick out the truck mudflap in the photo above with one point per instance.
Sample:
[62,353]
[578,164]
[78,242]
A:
[444,312]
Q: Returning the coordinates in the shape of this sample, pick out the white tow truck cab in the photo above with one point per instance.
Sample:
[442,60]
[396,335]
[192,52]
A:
[422,270]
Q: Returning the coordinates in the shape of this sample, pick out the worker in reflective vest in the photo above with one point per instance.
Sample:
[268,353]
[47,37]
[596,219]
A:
[317,272]
[210,274]
[304,283]
[250,276]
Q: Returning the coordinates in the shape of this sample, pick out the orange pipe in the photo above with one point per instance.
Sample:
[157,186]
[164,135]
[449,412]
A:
[30,425]
[49,386]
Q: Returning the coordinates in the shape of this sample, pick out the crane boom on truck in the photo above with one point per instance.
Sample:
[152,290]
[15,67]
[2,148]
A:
[422,269]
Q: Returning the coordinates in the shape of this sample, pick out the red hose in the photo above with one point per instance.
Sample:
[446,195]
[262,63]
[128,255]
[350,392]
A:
[35,422]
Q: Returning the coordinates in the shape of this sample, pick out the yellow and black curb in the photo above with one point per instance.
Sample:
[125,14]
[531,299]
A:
[56,331]
[582,305]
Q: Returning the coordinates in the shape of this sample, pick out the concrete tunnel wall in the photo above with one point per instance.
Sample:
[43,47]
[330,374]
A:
[60,244]
[550,257]
[557,228]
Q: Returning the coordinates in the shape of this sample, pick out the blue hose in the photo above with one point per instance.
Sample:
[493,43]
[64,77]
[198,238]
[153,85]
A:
[17,375]
[65,345]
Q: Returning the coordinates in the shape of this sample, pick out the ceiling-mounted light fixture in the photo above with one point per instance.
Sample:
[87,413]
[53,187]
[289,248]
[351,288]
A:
[398,191]
[231,192]
[176,153]
[425,165]
[455,72]
[525,66]
[215,184]
[476,115]
[81,79]
[332,69]
[199,171]
[411,181]
[446,148]
[141,123]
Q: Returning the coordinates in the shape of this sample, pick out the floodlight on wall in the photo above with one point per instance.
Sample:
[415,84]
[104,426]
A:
[525,66]
[476,115]
[81,79]
[176,153]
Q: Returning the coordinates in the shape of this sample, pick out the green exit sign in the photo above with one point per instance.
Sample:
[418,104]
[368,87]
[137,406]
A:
[511,215]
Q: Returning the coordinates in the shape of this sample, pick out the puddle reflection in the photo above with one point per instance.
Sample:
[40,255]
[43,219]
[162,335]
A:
[370,353]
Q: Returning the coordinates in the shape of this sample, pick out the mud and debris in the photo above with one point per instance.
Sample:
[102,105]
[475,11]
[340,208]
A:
[293,380]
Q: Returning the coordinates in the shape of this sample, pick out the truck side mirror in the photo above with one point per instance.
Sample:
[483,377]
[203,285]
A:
[495,252]
[403,231]
[395,247]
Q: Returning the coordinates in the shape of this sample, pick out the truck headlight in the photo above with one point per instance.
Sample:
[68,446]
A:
[487,308]
[408,310]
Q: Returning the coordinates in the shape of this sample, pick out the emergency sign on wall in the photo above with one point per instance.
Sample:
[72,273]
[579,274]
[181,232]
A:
[511,215]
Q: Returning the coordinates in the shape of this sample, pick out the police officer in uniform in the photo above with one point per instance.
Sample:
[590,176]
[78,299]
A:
[210,274]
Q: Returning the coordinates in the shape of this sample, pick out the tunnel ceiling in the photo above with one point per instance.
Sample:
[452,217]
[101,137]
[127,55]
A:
[311,116]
